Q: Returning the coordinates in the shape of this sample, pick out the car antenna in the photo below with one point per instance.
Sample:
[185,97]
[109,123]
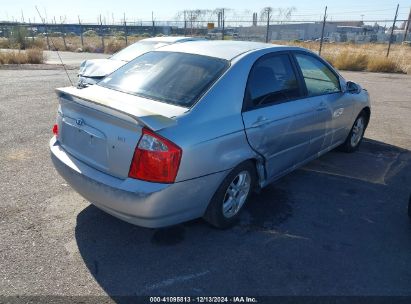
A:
[54,46]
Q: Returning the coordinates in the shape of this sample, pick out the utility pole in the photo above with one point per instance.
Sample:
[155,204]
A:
[268,23]
[322,31]
[407,27]
[392,31]
[222,24]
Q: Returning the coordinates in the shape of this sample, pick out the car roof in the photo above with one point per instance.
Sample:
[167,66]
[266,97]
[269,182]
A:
[223,49]
[172,39]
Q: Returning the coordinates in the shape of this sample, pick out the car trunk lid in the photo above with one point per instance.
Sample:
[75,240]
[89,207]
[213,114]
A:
[101,127]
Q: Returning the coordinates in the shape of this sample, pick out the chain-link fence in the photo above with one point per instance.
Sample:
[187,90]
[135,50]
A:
[333,39]
[107,37]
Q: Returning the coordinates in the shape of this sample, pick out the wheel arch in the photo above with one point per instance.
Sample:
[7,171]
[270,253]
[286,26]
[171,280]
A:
[367,111]
[259,165]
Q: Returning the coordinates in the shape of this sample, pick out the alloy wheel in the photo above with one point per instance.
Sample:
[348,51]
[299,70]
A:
[357,131]
[236,194]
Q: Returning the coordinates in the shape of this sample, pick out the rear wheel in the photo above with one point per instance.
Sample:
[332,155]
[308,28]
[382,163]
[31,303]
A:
[231,196]
[356,134]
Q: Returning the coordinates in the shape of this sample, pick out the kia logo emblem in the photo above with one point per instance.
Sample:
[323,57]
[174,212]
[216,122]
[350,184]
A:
[79,122]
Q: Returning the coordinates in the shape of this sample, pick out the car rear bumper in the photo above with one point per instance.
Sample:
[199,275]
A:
[138,202]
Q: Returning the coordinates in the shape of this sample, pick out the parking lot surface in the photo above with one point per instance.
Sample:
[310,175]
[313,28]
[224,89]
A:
[71,58]
[338,226]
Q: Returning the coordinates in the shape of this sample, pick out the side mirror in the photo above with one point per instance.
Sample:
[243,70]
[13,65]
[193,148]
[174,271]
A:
[352,87]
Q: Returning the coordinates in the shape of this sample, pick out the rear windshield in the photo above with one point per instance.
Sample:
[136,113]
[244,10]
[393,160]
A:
[175,78]
[136,49]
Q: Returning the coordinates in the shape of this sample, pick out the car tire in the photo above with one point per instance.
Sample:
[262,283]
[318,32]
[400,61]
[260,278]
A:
[355,137]
[231,196]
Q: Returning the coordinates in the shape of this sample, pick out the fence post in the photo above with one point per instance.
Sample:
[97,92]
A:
[268,24]
[153,27]
[47,36]
[125,32]
[125,29]
[222,24]
[30,26]
[102,34]
[407,27]
[81,34]
[32,32]
[185,23]
[7,35]
[63,34]
[392,31]
[322,32]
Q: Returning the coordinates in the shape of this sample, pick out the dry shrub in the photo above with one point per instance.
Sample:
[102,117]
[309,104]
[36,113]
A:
[56,44]
[352,56]
[37,43]
[90,33]
[113,46]
[13,57]
[350,61]
[89,48]
[382,64]
[33,56]
[329,58]
[4,43]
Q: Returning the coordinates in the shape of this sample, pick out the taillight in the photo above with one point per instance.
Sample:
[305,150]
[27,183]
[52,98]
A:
[155,159]
[55,129]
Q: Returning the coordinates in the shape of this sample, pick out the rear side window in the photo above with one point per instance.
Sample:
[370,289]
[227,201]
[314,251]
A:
[318,78]
[136,49]
[175,78]
[272,80]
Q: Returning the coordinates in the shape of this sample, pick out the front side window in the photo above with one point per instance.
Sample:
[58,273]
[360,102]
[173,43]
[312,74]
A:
[175,78]
[272,80]
[318,78]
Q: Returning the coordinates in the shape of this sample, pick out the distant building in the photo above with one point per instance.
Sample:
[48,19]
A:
[301,31]
[355,31]
[252,33]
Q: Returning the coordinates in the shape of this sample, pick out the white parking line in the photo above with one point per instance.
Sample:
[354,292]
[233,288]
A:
[176,279]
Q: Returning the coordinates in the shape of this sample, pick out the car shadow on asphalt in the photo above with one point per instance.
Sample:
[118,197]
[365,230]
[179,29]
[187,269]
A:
[312,213]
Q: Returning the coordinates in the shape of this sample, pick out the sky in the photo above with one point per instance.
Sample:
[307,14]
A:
[136,10]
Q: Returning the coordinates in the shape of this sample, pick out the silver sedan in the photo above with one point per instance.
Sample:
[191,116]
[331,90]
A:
[191,129]
[93,70]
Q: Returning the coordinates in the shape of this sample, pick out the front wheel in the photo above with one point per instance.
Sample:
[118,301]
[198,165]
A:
[356,134]
[231,196]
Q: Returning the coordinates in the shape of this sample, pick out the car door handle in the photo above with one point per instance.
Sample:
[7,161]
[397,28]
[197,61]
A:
[260,122]
[322,106]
